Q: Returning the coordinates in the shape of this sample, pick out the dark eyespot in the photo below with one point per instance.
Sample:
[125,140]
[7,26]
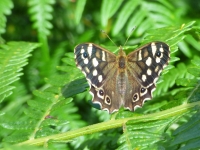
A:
[101,92]
[143,90]
[135,97]
[85,55]
[108,100]
[158,54]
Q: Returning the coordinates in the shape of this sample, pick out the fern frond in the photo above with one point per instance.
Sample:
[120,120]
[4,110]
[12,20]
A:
[48,113]
[143,135]
[5,9]
[41,14]
[107,10]
[79,10]
[170,78]
[137,136]
[13,57]
[187,136]
[145,14]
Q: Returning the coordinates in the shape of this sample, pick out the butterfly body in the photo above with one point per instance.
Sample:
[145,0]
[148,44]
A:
[122,80]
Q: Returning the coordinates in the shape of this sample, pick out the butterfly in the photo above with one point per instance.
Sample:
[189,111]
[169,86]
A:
[122,80]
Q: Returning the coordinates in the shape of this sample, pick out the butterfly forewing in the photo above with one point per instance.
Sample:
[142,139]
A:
[147,62]
[95,62]
[122,80]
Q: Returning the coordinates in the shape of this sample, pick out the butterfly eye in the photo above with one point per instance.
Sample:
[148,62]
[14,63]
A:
[158,54]
[101,92]
[85,55]
[143,90]
[108,100]
[135,97]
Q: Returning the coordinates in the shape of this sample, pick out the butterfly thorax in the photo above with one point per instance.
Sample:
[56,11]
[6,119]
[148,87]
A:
[121,59]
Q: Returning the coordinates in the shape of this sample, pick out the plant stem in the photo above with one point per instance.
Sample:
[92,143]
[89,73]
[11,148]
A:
[176,111]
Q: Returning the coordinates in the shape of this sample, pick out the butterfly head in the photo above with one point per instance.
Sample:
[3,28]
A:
[121,52]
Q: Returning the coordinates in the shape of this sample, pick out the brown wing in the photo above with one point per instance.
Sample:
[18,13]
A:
[99,67]
[95,62]
[143,68]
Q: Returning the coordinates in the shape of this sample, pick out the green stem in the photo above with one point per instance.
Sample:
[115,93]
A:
[179,110]
[44,48]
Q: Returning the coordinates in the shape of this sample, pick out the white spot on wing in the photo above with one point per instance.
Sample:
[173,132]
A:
[100,78]
[147,98]
[95,62]
[128,108]
[103,56]
[144,77]
[89,49]
[149,72]
[155,80]
[153,90]
[115,110]
[82,50]
[136,107]
[94,72]
[153,47]
[156,69]
[158,59]
[106,109]
[84,73]
[148,61]
[159,72]
[86,61]
[140,55]
[161,49]
[87,70]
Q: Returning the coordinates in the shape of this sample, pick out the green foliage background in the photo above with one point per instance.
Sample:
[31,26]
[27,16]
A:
[44,98]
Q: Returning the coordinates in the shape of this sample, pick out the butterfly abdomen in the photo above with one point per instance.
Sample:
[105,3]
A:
[121,83]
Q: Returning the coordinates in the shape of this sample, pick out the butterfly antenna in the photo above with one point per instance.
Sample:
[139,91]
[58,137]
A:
[108,37]
[129,35]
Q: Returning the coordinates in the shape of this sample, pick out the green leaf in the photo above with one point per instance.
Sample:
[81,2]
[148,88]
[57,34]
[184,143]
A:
[196,62]
[5,9]
[124,14]
[144,135]
[107,10]
[41,14]
[13,57]
[188,135]
[79,10]
[74,87]
[194,71]
[136,20]
[186,82]
[185,49]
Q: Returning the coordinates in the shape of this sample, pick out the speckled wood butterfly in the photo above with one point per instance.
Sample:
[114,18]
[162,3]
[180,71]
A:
[122,80]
